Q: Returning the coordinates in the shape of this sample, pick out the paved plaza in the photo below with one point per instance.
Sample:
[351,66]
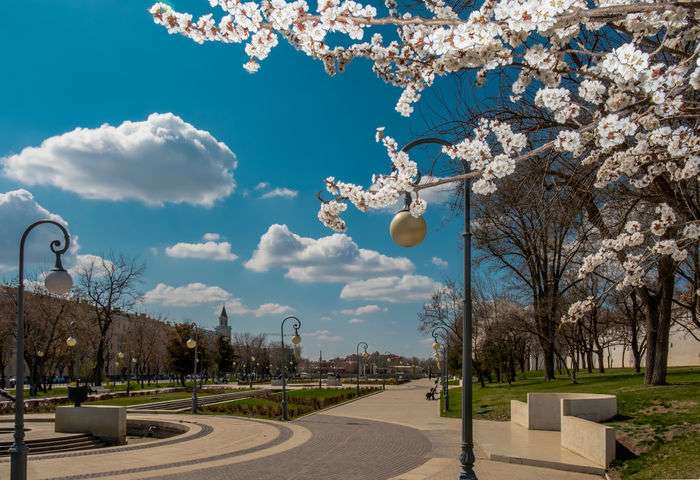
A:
[392,435]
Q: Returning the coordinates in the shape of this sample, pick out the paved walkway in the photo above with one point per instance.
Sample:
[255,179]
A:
[406,405]
[393,435]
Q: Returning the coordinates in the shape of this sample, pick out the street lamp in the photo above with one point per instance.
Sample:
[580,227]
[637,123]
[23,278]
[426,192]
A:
[250,373]
[436,347]
[57,282]
[409,232]
[296,340]
[387,355]
[357,352]
[192,345]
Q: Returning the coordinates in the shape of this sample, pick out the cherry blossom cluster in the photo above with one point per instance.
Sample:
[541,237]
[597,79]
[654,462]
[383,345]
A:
[385,190]
[626,109]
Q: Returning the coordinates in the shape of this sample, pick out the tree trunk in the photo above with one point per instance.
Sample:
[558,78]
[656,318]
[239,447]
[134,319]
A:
[99,362]
[658,322]
[601,361]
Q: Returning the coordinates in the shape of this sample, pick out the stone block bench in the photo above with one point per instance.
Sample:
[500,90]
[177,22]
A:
[107,423]
[575,415]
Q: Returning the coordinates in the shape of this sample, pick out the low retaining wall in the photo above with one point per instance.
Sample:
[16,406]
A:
[591,440]
[575,415]
[546,409]
[105,422]
[519,413]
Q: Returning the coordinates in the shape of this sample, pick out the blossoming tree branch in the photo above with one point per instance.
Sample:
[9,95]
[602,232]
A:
[619,80]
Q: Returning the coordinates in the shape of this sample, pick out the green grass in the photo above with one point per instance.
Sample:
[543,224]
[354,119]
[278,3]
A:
[141,399]
[301,402]
[661,423]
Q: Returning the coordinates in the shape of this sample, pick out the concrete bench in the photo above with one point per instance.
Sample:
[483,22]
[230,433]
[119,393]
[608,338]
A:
[105,422]
[575,415]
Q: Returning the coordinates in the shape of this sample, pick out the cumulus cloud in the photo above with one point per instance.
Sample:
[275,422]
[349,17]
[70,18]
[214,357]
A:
[18,210]
[280,193]
[262,186]
[393,289]
[162,159]
[194,294]
[439,262]
[355,321]
[211,237]
[186,295]
[335,258]
[364,310]
[323,336]
[100,266]
[219,251]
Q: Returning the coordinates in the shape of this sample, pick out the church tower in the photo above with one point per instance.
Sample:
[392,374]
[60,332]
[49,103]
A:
[223,330]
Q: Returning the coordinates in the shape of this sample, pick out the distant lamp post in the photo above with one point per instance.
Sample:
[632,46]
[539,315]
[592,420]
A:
[192,345]
[409,232]
[250,374]
[57,282]
[357,352]
[296,340]
[120,365]
[387,361]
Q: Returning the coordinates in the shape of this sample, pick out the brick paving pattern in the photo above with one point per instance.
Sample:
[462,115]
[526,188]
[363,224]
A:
[340,448]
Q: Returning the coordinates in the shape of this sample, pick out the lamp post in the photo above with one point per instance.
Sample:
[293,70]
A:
[57,282]
[120,365]
[409,231]
[320,371]
[134,367]
[357,352]
[250,373]
[192,345]
[296,340]
[436,347]
[387,355]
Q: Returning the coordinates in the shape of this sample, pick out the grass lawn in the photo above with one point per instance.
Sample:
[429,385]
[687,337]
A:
[141,399]
[660,424]
[301,402]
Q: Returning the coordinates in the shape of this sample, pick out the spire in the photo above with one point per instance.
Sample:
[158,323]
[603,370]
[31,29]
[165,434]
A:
[223,312]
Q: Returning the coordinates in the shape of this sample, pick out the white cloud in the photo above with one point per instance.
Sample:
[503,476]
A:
[439,262]
[364,310]
[262,186]
[335,258]
[326,318]
[187,295]
[18,210]
[159,160]
[100,266]
[211,237]
[356,321]
[271,309]
[324,336]
[200,294]
[405,289]
[219,251]
[280,193]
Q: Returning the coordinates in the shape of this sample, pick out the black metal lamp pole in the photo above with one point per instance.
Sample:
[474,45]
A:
[387,355]
[296,324]
[192,345]
[320,371]
[443,372]
[357,352]
[18,450]
[466,457]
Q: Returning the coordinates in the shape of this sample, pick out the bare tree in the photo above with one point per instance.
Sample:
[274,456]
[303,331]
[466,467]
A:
[110,286]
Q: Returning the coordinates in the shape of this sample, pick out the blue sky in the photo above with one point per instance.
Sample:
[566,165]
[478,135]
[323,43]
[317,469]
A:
[82,63]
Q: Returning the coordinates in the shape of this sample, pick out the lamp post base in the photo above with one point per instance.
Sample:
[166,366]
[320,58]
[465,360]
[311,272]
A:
[467,460]
[18,459]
